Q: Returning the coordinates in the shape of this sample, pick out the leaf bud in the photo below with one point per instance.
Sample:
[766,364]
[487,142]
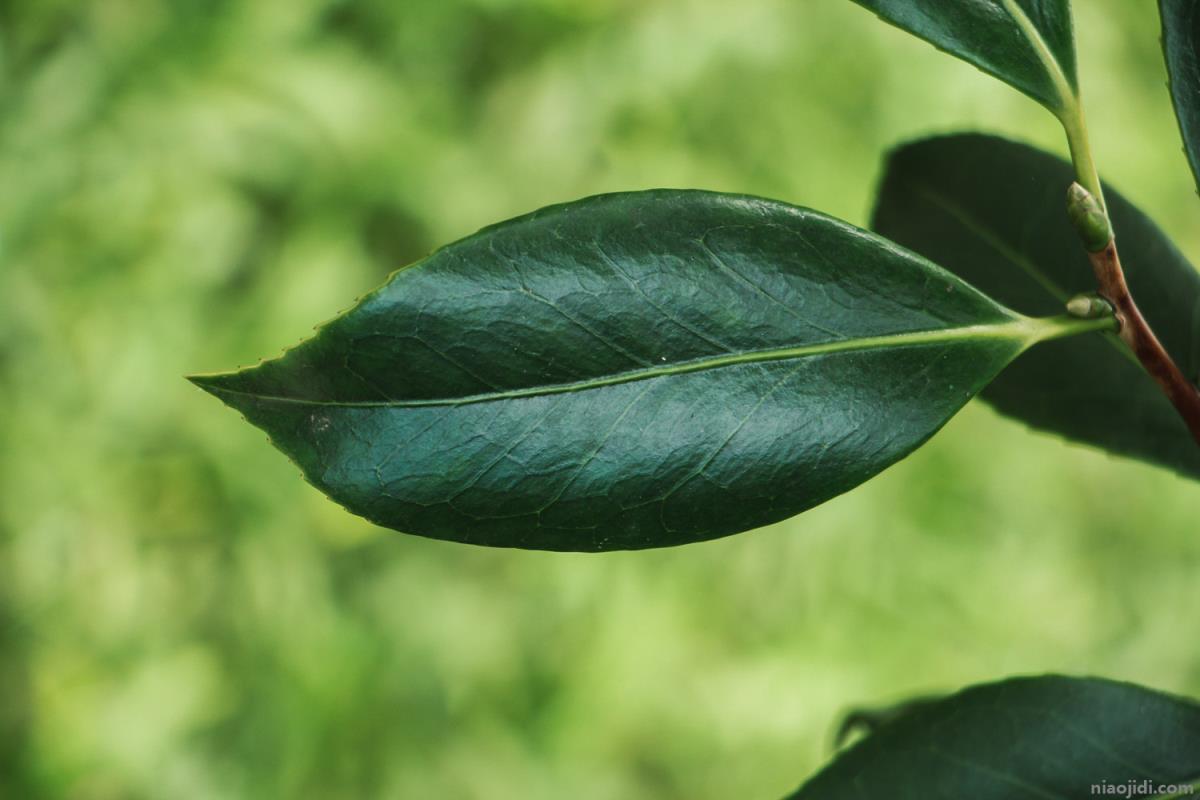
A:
[1089,218]
[1089,306]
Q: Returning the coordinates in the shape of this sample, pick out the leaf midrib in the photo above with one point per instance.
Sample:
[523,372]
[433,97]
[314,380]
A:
[1026,330]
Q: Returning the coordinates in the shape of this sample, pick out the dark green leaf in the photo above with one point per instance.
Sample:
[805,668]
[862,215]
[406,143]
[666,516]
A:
[992,212]
[631,371]
[1028,44]
[1044,738]
[1181,45]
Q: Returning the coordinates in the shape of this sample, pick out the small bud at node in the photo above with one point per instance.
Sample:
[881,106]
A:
[1089,219]
[1089,306]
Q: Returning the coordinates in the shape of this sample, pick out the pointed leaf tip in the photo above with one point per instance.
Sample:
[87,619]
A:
[219,384]
[209,382]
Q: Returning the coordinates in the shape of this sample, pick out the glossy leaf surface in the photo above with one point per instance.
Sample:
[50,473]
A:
[1027,738]
[1012,239]
[1028,44]
[630,371]
[1181,46]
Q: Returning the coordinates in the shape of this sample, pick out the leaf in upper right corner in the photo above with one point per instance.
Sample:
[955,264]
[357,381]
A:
[1028,44]
[992,212]
[1181,46]
[1023,739]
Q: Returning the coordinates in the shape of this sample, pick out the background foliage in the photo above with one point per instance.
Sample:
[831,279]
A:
[189,185]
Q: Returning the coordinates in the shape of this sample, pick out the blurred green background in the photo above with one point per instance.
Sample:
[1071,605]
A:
[190,185]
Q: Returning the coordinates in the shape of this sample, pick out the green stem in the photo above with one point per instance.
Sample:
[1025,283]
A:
[1075,126]
[1050,328]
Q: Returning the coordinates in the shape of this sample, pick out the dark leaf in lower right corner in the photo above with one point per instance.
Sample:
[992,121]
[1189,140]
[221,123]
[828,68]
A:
[992,211]
[1036,738]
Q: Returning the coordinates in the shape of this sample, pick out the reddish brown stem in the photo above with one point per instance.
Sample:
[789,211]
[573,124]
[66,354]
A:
[1136,333]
